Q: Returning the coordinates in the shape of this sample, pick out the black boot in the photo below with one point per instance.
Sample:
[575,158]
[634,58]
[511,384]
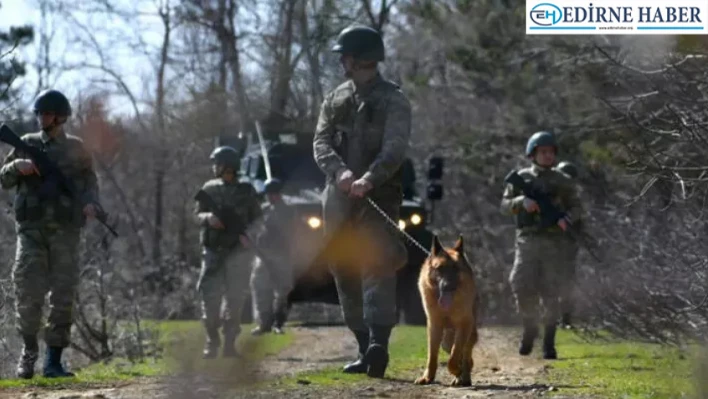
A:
[265,325]
[377,354]
[280,316]
[549,342]
[213,340]
[566,320]
[52,364]
[230,335]
[359,366]
[30,353]
[528,337]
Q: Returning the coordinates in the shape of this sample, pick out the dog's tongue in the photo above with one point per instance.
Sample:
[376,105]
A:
[445,300]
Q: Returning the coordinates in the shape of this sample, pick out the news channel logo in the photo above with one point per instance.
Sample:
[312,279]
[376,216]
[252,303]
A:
[618,17]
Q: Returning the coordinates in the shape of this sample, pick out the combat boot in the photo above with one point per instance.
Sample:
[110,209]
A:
[359,366]
[213,340]
[230,335]
[280,317]
[265,326]
[52,364]
[528,337]
[549,342]
[30,353]
[376,356]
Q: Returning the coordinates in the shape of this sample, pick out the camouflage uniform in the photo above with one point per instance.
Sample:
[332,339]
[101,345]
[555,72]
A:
[571,255]
[538,271]
[226,265]
[365,129]
[48,232]
[273,277]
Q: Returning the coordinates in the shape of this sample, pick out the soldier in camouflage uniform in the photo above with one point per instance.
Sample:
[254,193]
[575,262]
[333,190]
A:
[360,143]
[568,288]
[537,272]
[226,257]
[272,278]
[48,232]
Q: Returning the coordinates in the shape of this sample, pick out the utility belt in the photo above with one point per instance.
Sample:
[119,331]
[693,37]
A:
[60,211]
[218,240]
[534,223]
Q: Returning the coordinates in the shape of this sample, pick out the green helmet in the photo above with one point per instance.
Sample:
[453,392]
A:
[226,156]
[52,101]
[540,139]
[568,168]
[362,42]
[272,186]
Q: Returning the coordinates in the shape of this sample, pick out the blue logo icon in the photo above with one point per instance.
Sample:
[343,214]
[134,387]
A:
[546,14]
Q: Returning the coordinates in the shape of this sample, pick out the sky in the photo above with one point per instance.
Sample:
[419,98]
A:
[123,39]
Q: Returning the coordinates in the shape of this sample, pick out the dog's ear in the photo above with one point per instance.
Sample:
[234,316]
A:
[459,246]
[437,246]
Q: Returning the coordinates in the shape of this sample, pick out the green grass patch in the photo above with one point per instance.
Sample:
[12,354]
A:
[622,369]
[182,344]
[408,350]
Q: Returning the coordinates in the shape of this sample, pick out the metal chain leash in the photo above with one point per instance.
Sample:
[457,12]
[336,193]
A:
[395,225]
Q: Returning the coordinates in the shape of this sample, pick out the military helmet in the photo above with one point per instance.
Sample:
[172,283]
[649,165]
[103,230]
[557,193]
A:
[52,101]
[540,139]
[568,168]
[362,42]
[226,156]
[272,186]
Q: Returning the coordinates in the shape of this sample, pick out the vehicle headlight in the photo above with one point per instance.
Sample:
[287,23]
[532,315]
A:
[416,219]
[314,222]
[401,224]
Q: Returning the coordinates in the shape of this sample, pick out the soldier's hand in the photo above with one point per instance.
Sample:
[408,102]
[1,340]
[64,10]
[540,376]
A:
[26,167]
[214,222]
[345,180]
[563,224]
[90,211]
[359,188]
[530,205]
[244,241]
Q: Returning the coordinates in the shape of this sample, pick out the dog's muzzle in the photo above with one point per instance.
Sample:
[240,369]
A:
[446,294]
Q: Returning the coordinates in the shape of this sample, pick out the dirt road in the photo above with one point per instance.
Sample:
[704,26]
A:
[499,373]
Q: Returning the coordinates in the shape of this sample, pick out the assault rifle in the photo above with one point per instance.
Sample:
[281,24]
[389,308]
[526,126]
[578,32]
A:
[54,181]
[550,214]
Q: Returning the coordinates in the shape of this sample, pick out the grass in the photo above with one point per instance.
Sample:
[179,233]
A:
[622,369]
[182,342]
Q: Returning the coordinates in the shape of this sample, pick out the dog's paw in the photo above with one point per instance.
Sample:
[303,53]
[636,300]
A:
[453,367]
[424,380]
[462,382]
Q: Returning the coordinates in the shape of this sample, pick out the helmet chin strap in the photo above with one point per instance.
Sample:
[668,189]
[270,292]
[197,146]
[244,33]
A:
[50,128]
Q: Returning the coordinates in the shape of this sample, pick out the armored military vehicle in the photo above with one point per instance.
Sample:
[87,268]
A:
[291,160]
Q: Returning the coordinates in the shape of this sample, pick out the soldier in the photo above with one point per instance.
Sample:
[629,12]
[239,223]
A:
[566,296]
[537,273]
[272,277]
[360,143]
[226,257]
[48,233]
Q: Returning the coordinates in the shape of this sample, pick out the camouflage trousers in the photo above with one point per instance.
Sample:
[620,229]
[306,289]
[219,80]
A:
[539,274]
[224,275]
[46,261]
[366,254]
[271,283]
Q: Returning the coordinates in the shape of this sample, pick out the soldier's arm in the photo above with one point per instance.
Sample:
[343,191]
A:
[323,143]
[574,207]
[254,217]
[9,175]
[397,132]
[201,213]
[511,202]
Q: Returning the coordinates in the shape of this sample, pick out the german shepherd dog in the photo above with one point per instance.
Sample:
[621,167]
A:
[447,288]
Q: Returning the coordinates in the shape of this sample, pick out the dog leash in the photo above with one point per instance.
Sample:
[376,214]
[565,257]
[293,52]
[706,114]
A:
[394,224]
